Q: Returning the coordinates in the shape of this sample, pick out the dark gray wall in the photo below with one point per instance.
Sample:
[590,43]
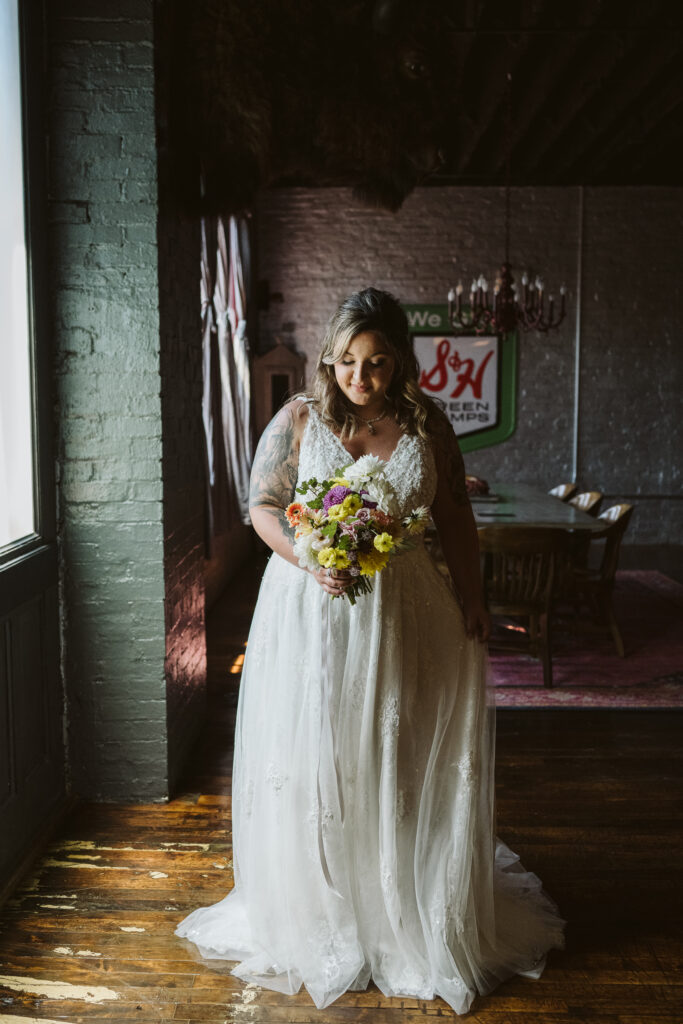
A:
[317,245]
[182,465]
[631,380]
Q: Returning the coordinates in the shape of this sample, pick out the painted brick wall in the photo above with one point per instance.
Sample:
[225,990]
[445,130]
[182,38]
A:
[631,379]
[317,245]
[125,369]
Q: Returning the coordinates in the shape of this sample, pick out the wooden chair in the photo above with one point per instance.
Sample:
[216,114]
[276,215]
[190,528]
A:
[563,491]
[587,501]
[520,569]
[595,587]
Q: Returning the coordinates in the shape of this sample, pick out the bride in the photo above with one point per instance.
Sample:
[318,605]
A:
[362,798]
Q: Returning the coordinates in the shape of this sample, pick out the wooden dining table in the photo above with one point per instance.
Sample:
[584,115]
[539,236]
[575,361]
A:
[514,504]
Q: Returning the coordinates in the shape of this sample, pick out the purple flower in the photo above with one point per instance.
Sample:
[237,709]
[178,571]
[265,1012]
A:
[335,496]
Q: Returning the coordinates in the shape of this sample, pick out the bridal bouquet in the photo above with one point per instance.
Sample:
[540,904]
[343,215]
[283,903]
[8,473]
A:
[349,522]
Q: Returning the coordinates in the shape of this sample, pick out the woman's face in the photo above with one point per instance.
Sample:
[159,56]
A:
[365,370]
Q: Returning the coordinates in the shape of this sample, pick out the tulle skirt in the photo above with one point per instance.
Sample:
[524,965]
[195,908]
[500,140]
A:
[364,843]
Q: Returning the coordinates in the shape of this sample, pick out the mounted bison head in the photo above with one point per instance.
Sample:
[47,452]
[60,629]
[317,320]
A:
[307,91]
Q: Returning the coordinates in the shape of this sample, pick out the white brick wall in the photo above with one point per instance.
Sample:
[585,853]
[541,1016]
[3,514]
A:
[317,245]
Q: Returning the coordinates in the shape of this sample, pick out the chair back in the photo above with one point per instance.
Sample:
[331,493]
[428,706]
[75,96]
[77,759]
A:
[618,517]
[563,491]
[522,564]
[587,501]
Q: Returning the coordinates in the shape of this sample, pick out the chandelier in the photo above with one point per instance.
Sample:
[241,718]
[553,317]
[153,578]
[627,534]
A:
[507,309]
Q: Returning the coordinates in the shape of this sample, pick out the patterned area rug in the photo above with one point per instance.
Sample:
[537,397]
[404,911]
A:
[588,673]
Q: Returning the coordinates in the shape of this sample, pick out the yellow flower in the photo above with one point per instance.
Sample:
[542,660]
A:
[341,481]
[304,527]
[333,558]
[336,513]
[383,541]
[352,503]
[327,557]
[372,562]
[341,559]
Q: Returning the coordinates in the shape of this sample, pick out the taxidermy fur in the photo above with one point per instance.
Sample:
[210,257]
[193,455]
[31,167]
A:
[309,91]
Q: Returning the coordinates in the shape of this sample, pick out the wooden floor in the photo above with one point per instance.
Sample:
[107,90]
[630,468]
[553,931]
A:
[591,800]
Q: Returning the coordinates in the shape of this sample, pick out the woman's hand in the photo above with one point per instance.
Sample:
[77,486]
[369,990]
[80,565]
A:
[333,581]
[477,621]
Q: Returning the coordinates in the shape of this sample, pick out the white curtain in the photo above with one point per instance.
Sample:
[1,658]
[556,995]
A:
[226,405]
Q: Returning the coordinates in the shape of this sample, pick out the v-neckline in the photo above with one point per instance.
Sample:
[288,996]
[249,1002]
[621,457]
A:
[346,450]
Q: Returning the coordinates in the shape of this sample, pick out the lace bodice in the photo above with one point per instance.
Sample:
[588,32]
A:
[411,469]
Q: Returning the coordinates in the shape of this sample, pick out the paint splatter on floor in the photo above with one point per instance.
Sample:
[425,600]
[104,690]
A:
[96,867]
[241,1006]
[68,951]
[57,989]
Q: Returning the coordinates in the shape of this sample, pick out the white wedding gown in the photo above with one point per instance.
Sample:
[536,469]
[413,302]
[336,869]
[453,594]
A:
[364,843]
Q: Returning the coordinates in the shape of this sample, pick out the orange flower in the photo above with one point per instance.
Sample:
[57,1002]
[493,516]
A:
[384,521]
[294,513]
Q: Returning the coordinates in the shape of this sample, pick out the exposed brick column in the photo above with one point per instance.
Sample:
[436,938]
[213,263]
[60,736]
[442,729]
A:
[127,365]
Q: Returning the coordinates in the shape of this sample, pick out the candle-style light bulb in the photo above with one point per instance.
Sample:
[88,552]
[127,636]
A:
[459,288]
[451,295]
[525,279]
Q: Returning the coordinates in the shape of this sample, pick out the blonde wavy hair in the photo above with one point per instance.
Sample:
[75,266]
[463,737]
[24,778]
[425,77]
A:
[379,312]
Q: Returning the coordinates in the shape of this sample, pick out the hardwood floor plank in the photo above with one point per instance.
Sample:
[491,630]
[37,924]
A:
[590,800]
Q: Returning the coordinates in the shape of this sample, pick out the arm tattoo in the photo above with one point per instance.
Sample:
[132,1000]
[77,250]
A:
[275,468]
[279,515]
[450,458]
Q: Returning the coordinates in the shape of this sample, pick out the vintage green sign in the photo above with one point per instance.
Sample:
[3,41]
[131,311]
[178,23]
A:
[475,376]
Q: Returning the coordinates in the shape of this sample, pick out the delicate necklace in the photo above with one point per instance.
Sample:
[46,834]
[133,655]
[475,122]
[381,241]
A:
[368,423]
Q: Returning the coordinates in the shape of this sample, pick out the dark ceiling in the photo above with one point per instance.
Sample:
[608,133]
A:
[596,94]
[382,95]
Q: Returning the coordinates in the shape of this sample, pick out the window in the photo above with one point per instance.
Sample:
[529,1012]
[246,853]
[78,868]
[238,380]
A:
[17,517]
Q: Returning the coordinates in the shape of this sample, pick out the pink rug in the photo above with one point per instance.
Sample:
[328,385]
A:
[588,673]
